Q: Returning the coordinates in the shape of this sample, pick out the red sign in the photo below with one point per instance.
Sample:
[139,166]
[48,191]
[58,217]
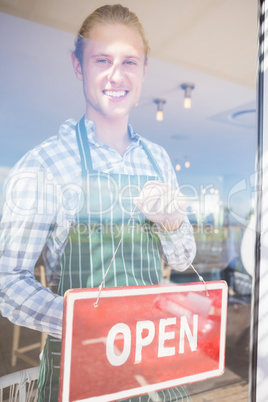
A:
[140,340]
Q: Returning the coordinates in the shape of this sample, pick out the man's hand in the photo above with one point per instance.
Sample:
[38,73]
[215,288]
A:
[161,204]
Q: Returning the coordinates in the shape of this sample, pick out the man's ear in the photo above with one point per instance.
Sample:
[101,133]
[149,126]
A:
[77,67]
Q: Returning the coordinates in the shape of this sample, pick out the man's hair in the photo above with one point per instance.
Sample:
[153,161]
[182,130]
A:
[109,14]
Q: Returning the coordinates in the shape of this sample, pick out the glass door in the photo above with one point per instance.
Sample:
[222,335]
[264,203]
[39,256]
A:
[202,81]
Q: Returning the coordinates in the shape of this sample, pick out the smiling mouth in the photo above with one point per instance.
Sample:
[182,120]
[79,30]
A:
[115,94]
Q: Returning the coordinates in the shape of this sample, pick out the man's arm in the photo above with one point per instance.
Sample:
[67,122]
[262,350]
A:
[164,205]
[179,247]
[27,223]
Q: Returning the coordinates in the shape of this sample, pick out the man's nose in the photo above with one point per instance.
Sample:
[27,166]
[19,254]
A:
[116,74]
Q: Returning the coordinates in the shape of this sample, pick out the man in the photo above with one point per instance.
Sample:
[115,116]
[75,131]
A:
[97,196]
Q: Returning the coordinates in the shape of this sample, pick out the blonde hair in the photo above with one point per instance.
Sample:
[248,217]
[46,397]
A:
[109,14]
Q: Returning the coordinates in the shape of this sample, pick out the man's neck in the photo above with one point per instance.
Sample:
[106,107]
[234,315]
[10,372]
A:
[113,133]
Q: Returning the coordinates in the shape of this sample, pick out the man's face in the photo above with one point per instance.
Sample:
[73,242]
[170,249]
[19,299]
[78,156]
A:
[112,71]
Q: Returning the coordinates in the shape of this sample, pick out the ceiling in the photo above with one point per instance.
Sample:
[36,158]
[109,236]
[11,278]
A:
[216,37]
[212,43]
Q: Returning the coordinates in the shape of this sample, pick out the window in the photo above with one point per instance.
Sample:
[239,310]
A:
[213,145]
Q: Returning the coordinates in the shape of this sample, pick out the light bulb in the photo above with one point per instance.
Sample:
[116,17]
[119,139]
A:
[159,115]
[187,87]
[187,164]
[159,111]
[187,103]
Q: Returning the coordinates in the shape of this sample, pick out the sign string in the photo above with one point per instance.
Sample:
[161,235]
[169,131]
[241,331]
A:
[191,265]
[113,257]
[201,279]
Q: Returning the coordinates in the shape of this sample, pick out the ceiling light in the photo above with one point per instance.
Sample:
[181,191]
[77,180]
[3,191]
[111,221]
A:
[187,164]
[187,87]
[159,112]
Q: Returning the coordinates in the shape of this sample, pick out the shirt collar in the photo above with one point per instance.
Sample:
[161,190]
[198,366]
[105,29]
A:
[90,127]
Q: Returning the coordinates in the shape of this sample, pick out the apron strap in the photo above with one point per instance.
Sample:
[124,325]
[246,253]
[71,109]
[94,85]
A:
[84,150]
[153,161]
[83,146]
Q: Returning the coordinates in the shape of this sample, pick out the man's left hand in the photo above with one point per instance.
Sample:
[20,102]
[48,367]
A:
[161,204]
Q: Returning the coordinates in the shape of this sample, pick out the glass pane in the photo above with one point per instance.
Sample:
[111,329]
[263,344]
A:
[207,52]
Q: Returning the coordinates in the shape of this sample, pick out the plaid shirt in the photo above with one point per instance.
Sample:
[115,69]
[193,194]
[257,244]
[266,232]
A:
[42,193]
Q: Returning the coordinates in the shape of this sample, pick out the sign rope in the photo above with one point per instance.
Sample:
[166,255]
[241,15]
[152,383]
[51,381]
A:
[201,279]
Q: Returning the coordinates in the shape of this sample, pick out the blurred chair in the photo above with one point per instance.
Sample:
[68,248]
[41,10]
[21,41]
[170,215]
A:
[21,352]
[20,386]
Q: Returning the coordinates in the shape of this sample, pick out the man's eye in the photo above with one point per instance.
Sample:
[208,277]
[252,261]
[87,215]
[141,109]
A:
[130,62]
[102,61]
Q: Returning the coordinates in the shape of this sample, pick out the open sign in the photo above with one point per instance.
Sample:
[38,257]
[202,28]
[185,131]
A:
[141,339]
